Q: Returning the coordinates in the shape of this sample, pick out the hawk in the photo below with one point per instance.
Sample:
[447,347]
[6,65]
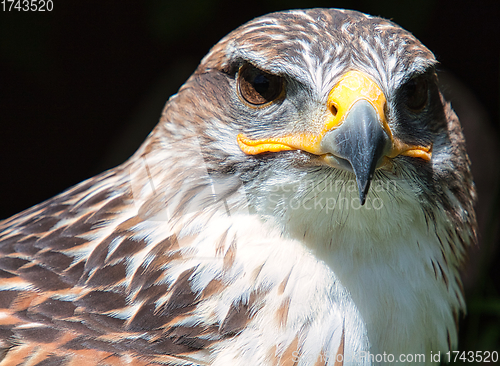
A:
[306,199]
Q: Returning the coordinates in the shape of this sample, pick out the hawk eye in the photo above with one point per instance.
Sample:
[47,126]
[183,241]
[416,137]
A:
[258,87]
[416,91]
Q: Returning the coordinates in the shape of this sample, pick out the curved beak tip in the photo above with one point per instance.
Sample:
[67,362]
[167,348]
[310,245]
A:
[363,188]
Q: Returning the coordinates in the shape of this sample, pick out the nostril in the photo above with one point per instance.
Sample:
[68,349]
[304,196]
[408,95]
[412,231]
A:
[333,109]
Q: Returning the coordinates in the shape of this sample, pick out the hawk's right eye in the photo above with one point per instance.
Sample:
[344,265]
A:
[416,90]
[258,87]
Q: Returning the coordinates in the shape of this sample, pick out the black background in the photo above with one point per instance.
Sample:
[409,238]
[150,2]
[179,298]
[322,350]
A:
[81,86]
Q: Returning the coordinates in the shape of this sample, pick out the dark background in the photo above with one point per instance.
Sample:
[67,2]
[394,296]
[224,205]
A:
[81,87]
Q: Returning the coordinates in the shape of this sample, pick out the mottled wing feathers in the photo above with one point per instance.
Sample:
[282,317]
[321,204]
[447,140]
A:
[64,293]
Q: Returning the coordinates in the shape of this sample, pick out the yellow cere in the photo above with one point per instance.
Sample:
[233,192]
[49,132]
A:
[353,87]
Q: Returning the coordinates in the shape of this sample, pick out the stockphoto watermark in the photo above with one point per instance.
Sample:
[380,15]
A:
[329,195]
[364,356]
[418,358]
[326,204]
[332,186]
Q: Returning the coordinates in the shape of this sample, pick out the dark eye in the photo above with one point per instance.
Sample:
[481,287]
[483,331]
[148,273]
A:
[416,91]
[258,87]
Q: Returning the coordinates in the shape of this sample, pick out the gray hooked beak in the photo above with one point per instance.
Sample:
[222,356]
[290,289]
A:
[358,144]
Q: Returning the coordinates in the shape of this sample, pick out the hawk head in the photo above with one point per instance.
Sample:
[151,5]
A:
[332,121]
